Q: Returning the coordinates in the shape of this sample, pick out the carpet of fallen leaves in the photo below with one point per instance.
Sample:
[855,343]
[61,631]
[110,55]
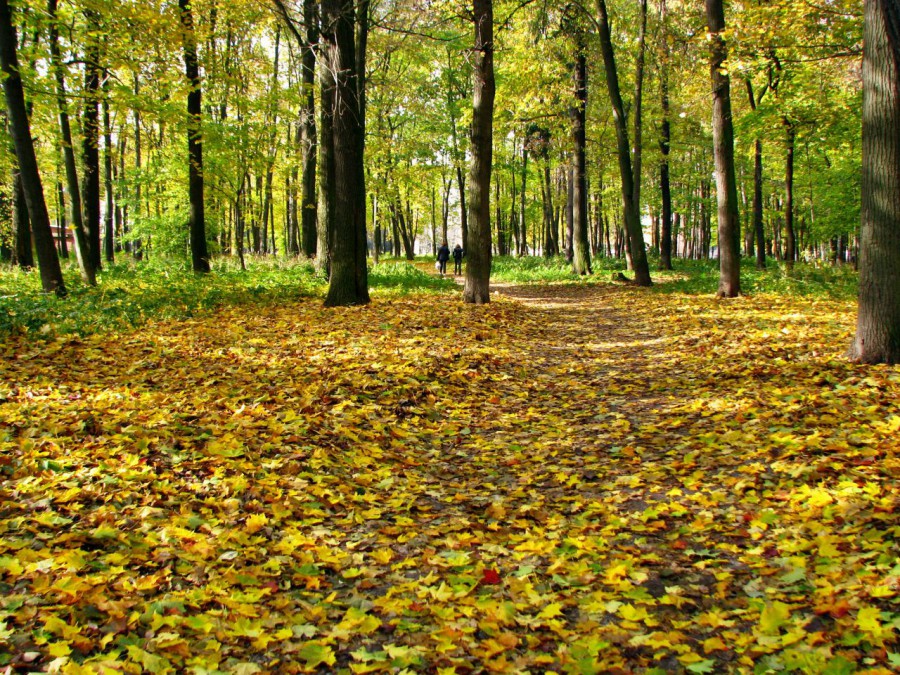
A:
[571,479]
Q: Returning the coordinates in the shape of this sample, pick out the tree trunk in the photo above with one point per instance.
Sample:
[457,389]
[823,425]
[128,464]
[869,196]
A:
[523,250]
[633,229]
[349,276]
[581,252]
[665,145]
[48,261]
[638,107]
[478,247]
[108,239]
[309,138]
[325,170]
[550,248]
[136,246]
[790,251]
[877,338]
[24,252]
[197,223]
[90,127]
[81,235]
[723,148]
[61,226]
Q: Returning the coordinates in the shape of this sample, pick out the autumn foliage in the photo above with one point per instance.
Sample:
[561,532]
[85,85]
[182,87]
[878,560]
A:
[575,479]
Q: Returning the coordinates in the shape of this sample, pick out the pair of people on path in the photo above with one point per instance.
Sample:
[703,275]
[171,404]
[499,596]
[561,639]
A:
[443,255]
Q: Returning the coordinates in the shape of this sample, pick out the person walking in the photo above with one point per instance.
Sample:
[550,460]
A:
[443,255]
[458,254]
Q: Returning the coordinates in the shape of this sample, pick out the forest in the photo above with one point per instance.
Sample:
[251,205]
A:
[648,426]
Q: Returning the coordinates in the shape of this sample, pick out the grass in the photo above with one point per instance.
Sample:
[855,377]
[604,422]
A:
[699,277]
[130,294]
[692,277]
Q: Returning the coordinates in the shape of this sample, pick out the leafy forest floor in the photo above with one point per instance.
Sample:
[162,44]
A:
[578,478]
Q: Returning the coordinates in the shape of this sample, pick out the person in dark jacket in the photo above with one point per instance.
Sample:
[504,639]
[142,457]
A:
[458,254]
[443,255]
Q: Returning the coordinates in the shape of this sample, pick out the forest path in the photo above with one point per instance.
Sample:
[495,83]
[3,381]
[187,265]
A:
[578,478]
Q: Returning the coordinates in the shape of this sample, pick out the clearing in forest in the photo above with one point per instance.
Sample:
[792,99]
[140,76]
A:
[574,479]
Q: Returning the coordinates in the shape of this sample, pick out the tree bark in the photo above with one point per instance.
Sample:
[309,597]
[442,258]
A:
[723,150]
[877,338]
[325,171]
[633,229]
[308,135]
[24,251]
[790,251]
[20,128]
[581,252]
[197,223]
[90,154]
[478,248]
[349,276]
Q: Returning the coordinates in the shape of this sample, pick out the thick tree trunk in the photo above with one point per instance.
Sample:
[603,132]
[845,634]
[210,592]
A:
[90,128]
[325,170]
[877,337]
[308,136]
[633,229]
[349,276]
[581,252]
[81,235]
[478,248]
[723,149]
[197,223]
[24,252]
[20,129]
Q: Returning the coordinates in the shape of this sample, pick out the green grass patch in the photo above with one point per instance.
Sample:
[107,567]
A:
[536,270]
[129,294]
[403,277]
[698,277]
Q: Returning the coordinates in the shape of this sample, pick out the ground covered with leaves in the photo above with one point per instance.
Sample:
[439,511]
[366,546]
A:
[574,478]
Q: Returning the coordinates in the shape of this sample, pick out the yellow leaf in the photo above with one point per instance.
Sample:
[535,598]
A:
[774,616]
[552,610]
[59,649]
[256,522]
[868,619]
[714,644]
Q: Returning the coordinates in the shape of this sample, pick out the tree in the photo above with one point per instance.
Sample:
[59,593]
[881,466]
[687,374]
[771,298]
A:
[723,151]
[308,138]
[581,250]
[348,283]
[82,242]
[197,222]
[90,190]
[626,170]
[665,140]
[877,338]
[20,128]
[478,246]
